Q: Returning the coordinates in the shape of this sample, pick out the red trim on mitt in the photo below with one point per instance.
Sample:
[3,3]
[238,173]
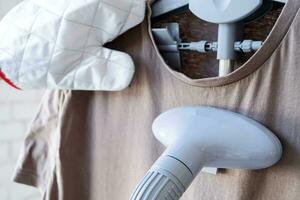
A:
[3,77]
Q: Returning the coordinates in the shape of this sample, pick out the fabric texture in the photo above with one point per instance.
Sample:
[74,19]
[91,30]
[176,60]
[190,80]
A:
[59,44]
[103,145]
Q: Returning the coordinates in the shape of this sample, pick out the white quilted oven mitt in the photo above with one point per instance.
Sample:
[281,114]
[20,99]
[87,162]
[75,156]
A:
[59,44]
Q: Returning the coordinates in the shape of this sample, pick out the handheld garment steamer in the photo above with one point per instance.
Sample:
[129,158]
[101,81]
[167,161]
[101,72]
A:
[198,137]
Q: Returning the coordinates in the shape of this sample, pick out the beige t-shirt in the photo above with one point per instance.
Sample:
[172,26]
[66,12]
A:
[98,145]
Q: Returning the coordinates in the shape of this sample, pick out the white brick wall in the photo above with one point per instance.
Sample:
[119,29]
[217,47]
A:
[17,109]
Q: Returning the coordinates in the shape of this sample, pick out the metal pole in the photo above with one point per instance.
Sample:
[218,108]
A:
[227,35]
[225,67]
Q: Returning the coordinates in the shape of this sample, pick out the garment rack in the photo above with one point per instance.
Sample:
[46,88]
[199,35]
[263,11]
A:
[229,15]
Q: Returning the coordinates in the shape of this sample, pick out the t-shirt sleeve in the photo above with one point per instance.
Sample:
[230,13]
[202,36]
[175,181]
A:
[37,160]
